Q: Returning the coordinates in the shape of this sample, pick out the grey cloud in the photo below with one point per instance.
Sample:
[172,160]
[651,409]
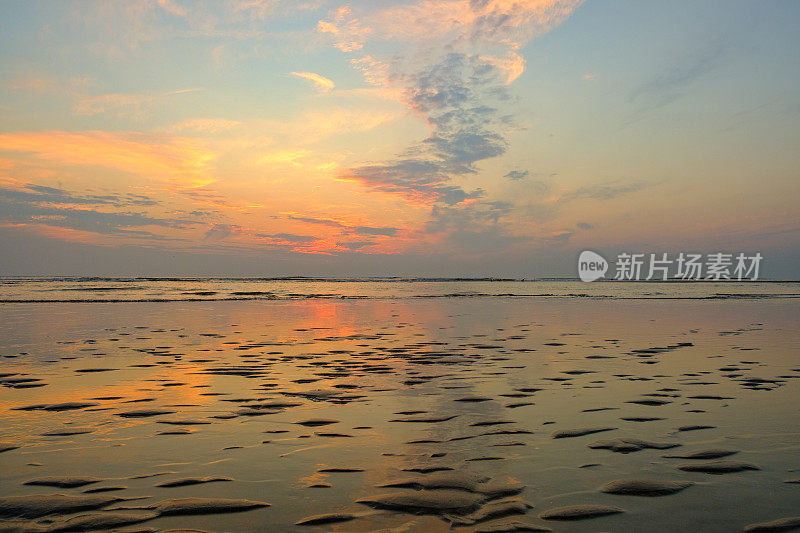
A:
[483,226]
[138,199]
[39,204]
[143,234]
[667,86]
[517,174]
[27,212]
[207,196]
[540,187]
[290,237]
[679,75]
[584,225]
[539,212]
[217,232]
[476,239]
[452,93]
[455,195]
[41,194]
[463,149]
[367,230]
[604,191]
[456,218]
[320,221]
[356,245]
[563,236]
[387,231]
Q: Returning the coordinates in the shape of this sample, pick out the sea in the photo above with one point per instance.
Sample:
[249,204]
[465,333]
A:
[171,289]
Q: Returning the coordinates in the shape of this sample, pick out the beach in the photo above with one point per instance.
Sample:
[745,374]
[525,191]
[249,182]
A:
[483,413]
[402,266]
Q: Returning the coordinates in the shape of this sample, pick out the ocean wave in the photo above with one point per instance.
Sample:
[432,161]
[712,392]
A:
[294,297]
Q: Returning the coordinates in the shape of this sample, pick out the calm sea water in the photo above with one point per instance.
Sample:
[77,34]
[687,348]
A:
[86,289]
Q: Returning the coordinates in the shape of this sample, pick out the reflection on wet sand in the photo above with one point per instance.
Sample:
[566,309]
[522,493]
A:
[487,414]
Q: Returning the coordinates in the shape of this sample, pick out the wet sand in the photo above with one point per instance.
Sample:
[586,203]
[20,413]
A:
[431,414]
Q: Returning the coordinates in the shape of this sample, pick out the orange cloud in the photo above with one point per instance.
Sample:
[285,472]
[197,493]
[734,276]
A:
[513,65]
[180,160]
[502,24]
[204,125]
[64,234]
[33,84]
[489,21]
[348,31]
[124,103]
[322,83]
[288,157]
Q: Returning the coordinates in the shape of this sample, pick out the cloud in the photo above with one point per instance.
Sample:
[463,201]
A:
[561,236]
[320,221]
[386,231]
[321,82]
[457,58]
[125,104]
[473,229]
[354,245]
[608,191]
[33,84]
[367,230]
[584,225]
[308,128]
[179,160]
[452,95]
[122,27]
[217,232]
[290,238]
[347,30]
[210,197]
[47,206]
[540,187]
[43,195]
[173,7]
[448,218]
[508,23]
[86,103]
[204,125]
[416,179]
[517,175]
[668,85]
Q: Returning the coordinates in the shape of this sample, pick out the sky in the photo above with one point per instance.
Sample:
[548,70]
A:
[409,138]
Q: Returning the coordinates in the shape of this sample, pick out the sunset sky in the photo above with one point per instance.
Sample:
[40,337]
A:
[377,137]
